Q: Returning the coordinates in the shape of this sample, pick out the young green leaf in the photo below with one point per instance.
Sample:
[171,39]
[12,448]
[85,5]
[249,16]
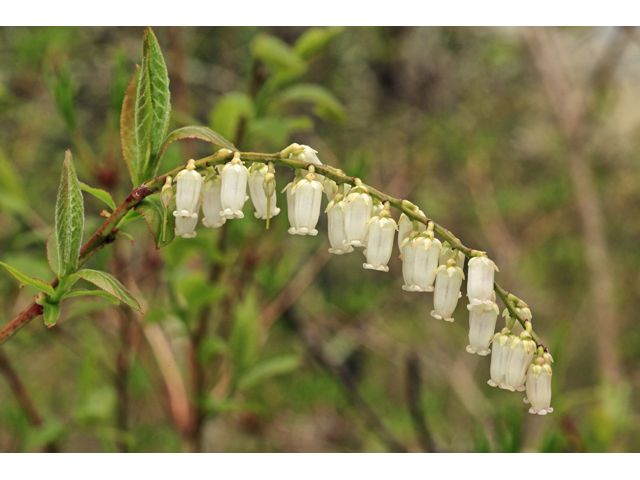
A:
[36,282]
[97,293]
[52,253]
[153,213]
[277,54]
[269,368]
[230,110]
[314,40]
[143,122]
[109,284]
[51,313]
[326,105]
[69,218]
[128,136]
[153,61]
[99,194]
[201,133]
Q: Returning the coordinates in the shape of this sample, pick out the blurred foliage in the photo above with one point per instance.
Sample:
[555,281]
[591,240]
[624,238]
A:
[253,340]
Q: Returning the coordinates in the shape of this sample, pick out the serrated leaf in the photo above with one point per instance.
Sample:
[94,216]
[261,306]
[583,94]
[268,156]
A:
[144,122]
[277,54]
[230,110]
[52,253]
[36,282]
[99,194]
[160,96]
[326,105]
[269,368]
[153,214]
[201,133]
[128,135]
[109,284]
[97,293]
[69,218]
[314,40]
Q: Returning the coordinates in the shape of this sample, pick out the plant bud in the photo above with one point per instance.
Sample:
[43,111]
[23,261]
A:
[166,195]
[262,181]
[480,283]
[306,154]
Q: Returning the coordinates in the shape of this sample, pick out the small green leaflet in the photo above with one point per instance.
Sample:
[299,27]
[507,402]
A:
[153,214]
[69,218]
[111,285]
[99,194]
[97,293]
[36,282]
[201,133]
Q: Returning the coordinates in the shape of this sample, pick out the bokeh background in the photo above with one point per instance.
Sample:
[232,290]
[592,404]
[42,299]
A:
[523,142]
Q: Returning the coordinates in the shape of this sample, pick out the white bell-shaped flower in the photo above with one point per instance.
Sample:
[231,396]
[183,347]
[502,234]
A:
[482,326]
[538,386]
[423,251]
[335,215]
[291,204]
[382,229]
[480,282]
[257,174]
[358,212]
[185,226]
[212,202]
[307,195]
[501,344]
[523,348]
[189,184]
[447,290]
[234,188]
[405,227]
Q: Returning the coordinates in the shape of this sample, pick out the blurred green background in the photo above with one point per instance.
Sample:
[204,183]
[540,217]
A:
[523,142]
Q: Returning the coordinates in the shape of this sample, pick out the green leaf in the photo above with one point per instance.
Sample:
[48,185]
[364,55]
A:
[243,342]
[143,122]
[36,282]
[153,214]
[315,40]
[160,96]
[129,217]
[111,285]
[69,218]
[326,105]
[277,54]
[128,136]
[269,368]
[229,112]
[51,313]
[201,133]
[99,194]
[52,253]
[97,293]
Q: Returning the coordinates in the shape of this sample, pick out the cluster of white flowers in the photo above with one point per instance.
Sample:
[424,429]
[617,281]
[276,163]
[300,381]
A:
[355,219]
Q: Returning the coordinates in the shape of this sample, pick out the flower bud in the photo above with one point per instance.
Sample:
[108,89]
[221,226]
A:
[307,196]
[166,195]
[523,348]
[480,283]
[212,202]
[482,326]
[185,226]
[259,184]
[405,227]
[306,154]
[500,357]
[234,188]
[447,290]
[358,210]
[189,184]
[382,229]
[335,215]
[538,386]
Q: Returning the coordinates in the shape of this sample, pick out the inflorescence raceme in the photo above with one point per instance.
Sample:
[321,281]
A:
[358,219]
